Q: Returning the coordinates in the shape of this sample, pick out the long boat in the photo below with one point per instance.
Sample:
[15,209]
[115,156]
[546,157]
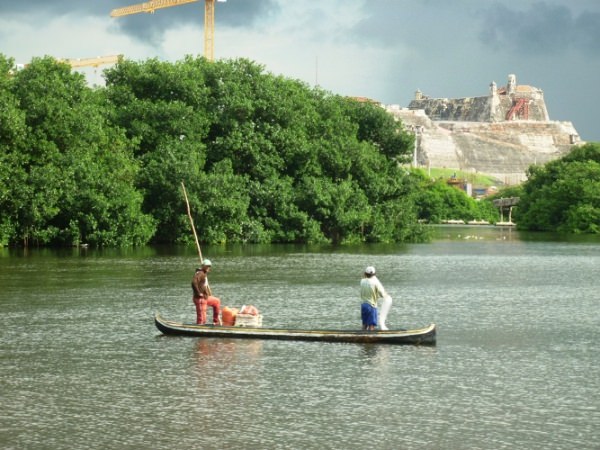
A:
[419,336]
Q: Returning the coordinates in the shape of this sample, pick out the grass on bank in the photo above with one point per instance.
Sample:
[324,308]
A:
[476,179]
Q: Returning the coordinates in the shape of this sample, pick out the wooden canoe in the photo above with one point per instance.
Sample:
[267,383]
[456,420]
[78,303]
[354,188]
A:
[420,336]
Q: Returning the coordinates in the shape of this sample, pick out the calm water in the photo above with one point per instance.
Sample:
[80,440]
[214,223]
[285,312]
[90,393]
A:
[517,363]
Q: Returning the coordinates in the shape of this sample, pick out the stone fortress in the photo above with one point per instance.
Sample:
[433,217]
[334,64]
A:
[500,134]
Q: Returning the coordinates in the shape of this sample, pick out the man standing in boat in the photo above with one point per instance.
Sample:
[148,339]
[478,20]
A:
[371,290]
[203,297]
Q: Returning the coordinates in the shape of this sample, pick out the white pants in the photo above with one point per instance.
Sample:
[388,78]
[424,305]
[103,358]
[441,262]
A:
[383,312]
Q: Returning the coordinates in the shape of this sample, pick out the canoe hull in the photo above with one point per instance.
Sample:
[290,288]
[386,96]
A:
[421,336]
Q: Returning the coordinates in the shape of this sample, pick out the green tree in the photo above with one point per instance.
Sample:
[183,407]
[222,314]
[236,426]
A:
[378,127]
[78,170]
[163,109]
[13,144]
[304,165]
[265,158]
[158,102]
[439,201]
[221,204]
[275,205]
[564,194]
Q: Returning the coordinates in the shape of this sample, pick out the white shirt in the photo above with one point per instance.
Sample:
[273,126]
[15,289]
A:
[370,290]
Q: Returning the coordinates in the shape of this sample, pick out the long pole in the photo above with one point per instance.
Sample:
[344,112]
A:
[192,223]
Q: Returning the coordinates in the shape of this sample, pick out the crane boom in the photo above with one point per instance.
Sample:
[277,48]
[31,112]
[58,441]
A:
[148,7]
[152,5]
[92,62]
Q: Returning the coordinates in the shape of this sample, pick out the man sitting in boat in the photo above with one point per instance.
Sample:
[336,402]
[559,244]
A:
[203,297]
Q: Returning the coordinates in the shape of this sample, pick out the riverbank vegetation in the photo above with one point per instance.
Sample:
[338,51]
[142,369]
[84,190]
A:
[265,159]
[437,202]
[563,195]
[475,178]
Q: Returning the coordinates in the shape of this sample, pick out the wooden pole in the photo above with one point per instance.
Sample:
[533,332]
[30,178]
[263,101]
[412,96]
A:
[192,223]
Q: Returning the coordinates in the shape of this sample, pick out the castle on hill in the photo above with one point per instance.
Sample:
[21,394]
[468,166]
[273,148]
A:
[500,134]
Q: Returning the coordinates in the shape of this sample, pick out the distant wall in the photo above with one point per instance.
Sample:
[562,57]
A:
[500,134]
[512,102]
[502,149]
[470,109]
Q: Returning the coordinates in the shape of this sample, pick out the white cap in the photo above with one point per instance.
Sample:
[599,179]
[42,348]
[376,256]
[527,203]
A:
[370,270]
[207,262]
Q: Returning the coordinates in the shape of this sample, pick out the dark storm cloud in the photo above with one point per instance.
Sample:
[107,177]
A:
[542,29]
[427,25]
[234,13]
[387,21]
[56,7]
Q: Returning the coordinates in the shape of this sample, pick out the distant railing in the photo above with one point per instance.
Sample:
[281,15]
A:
[506,202]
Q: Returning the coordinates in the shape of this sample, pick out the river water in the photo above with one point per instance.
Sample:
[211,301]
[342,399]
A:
[517,363]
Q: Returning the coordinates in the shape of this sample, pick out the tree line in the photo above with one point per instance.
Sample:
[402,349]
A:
[563,195]
[264,158]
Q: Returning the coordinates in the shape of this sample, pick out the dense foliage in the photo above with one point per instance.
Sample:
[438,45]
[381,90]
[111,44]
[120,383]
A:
[67,176]
[564,194]
[264,158]
[437,201]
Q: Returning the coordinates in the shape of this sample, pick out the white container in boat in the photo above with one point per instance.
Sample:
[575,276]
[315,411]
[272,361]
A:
[248,320]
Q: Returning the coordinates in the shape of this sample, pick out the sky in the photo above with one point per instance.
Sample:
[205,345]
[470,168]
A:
[381,49]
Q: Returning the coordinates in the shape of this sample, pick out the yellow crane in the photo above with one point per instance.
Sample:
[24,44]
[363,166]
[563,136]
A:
[92,62]
[76,63]
[152,5]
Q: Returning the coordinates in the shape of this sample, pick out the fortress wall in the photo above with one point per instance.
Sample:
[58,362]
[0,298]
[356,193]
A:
[500,134]
[442,150]
[502,149]
[508,149]
[462,109]
[536,107]
[494,108]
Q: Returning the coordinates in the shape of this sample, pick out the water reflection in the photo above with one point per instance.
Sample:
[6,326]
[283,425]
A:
[374,353]
[226,351]
[382,354]
[225,362]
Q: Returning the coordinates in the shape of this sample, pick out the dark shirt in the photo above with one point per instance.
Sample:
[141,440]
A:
[200,284]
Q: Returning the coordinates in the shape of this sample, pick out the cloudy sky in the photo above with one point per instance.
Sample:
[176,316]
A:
[382,49]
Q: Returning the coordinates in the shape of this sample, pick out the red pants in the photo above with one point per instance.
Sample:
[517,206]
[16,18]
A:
[202,304]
